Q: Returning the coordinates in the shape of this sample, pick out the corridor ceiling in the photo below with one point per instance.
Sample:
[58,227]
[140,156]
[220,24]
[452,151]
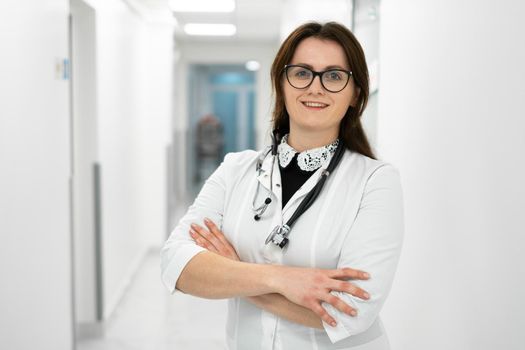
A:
[256,20]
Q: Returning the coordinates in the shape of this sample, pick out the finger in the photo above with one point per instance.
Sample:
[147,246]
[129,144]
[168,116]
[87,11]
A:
[215,231]
[227,247]
[339,304]
[205,234]
[323,314]
[203,243]
[211,225]
[347,273]
[350,288]
[213,241]
[199,232]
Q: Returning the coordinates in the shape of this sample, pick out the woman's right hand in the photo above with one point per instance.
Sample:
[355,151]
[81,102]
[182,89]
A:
[213,239]
[309,287]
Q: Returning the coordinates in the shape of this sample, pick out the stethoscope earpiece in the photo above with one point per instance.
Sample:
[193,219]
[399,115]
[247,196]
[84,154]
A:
[262,208]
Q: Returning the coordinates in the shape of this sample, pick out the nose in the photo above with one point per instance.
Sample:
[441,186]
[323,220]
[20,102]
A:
[316,87]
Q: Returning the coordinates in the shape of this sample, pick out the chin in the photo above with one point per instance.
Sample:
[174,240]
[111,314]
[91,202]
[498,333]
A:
[312,126]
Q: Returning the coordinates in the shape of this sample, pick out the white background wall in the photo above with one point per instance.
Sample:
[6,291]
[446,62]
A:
[451,118]
[134,64]
[85,155]
[366,29]
[134,85]
[35,253]
[297,12]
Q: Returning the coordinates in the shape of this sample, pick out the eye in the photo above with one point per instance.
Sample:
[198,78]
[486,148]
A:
[302,73]
[334,75]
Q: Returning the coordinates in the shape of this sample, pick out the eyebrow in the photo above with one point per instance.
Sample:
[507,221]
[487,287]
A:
[306,65]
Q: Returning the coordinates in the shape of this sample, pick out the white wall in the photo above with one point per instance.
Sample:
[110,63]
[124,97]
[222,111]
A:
[451,118]
[134,86]
[297,12]
[85,155]
[366,29]
[35,250]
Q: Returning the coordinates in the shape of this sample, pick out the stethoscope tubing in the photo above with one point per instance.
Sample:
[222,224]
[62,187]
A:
[262,208]
[283,231]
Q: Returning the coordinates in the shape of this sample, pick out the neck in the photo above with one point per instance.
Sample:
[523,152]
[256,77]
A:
[305,140]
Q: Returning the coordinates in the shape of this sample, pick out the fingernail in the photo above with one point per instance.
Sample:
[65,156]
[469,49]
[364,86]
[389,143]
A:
[206,220]
[193,226]
[366,295]
[366,275]
[353,313]
[333,323]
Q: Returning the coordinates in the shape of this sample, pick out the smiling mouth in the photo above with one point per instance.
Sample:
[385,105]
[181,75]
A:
[316,105]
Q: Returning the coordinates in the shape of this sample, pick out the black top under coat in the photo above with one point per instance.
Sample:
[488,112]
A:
[292,178]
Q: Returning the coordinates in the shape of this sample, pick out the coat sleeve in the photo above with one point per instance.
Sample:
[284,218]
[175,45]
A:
[180,248]
[373,244]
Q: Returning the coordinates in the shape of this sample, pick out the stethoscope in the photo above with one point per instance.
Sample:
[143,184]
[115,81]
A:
[279,235]
[262,208]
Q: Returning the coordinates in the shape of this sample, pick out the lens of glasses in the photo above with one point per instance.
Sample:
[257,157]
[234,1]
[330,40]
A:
[333,80]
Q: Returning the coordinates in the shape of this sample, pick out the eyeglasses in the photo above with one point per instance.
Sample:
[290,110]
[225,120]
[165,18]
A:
[333,80]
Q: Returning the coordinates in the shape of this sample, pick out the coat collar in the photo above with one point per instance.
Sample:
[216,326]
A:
[264,179]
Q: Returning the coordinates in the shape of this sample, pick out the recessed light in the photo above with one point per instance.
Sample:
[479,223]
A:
[252,65]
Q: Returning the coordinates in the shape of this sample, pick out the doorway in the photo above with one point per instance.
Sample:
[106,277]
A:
[221,117]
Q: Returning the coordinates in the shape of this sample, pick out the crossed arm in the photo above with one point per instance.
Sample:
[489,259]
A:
[208,266]
[289,292]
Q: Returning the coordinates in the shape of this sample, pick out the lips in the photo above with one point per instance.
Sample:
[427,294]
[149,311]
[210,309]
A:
[312,104]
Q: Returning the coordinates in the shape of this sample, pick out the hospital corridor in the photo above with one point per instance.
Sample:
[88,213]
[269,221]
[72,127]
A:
[114,115]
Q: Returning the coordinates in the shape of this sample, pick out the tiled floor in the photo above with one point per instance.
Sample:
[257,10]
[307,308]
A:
[149,318]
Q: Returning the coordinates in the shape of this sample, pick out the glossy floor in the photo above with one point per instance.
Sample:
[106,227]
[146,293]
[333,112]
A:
[149,318]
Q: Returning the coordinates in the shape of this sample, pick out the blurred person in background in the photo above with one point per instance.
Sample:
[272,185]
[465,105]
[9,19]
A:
[304,236]
[209,144]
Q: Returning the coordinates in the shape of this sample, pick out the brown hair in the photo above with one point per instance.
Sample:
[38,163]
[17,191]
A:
[351,131]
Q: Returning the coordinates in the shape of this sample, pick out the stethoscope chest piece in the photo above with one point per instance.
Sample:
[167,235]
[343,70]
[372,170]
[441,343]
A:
[279,236]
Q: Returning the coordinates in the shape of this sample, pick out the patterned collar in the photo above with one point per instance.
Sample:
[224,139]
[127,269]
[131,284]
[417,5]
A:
[309,160]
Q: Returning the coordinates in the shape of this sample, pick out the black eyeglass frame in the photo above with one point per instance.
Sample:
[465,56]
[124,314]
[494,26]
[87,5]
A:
[320,74]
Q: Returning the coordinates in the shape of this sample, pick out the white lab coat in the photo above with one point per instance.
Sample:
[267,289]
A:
[357,222]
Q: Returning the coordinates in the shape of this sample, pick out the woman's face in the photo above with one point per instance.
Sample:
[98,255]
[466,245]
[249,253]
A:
[318,55]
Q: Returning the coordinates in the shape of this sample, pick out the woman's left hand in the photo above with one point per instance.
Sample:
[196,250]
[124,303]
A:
[213,239]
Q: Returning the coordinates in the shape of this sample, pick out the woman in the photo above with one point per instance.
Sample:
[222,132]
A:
[303,237]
